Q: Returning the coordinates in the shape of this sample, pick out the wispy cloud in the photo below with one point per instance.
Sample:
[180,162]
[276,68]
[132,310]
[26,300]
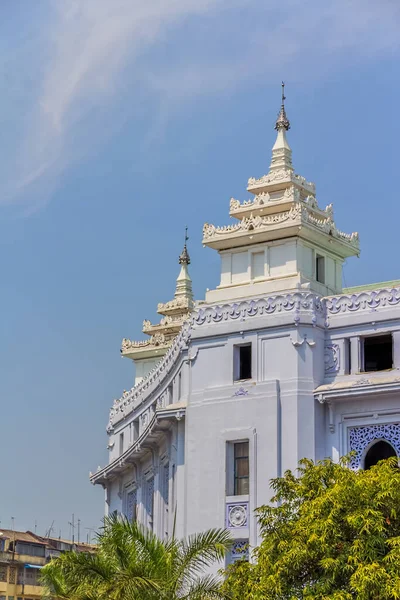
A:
[85,50]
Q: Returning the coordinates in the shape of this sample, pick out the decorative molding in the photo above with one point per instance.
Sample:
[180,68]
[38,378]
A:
[298,341]
[360,439]
[182,302]
[241,392]
[237,515]
[281,175]
[296,303]
[132,398]
[252,223]
[370,301]
[300,213]
[158,339]
[332,358]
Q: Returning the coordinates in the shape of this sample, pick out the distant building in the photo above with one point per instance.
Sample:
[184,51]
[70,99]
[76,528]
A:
[279,362]
[22,555]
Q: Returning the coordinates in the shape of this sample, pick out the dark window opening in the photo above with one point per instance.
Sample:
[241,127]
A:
[347,346]
[241,468]
[243,360]
[378,353]
[379,451]
[320,269]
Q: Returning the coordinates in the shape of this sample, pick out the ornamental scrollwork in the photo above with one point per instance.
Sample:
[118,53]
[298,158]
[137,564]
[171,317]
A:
[361,437]
[363,301]
[332,358]
[297,302]
[300,210]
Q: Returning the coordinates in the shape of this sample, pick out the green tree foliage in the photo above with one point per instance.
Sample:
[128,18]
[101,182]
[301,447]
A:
[132,563]
[330,533]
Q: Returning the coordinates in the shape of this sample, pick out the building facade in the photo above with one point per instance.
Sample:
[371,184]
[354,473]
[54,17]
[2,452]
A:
[22,555]
[276,364]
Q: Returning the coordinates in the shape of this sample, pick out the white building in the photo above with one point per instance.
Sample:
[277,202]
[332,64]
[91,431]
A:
[278,363]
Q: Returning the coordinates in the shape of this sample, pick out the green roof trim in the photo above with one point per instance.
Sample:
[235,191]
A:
[372,286]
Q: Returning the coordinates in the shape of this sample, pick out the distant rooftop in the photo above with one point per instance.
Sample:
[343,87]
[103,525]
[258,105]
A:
[33,538]
[372,286]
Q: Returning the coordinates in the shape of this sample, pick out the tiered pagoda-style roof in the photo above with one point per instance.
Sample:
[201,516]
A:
[175,312]
[284,205]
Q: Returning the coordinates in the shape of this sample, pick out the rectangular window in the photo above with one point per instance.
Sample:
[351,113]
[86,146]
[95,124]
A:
[30,549]
[150,502]
[241,468]
[3,573]
[257,264]
[179,385]
[170,394]
[378,353]
[347,354]
[165,496]
[121,443]
[135,429]
[242,362]
[130,508]
[320,268]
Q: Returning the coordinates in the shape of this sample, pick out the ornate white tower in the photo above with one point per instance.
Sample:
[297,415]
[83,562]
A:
[147,353]
[283,240]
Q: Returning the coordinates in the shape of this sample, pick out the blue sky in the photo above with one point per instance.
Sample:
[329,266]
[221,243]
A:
[123,121]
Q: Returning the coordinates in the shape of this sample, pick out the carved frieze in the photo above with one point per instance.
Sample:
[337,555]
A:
[300,210]
[295,303]
[363,301]
[360,439]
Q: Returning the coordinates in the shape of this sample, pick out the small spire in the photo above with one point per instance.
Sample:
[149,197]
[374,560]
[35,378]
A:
[184,258]
[184,283]
[281,152]
[282,122]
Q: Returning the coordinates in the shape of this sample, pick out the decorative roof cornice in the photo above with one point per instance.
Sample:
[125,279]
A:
[154,417]
[298,303]
[176,305]
[281,176]
[265,200]
[372,300]
[156,340]
[300,214]
[132,398]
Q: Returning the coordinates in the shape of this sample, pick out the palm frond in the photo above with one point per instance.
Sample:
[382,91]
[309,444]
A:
[200,551]
[207,587]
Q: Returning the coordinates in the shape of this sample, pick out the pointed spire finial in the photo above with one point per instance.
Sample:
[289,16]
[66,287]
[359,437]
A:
[184,258]
[282,121]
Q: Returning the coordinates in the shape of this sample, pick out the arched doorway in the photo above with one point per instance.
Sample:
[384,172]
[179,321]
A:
[378,451]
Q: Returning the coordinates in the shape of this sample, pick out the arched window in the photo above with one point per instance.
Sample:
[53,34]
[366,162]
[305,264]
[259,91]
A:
[378,451]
